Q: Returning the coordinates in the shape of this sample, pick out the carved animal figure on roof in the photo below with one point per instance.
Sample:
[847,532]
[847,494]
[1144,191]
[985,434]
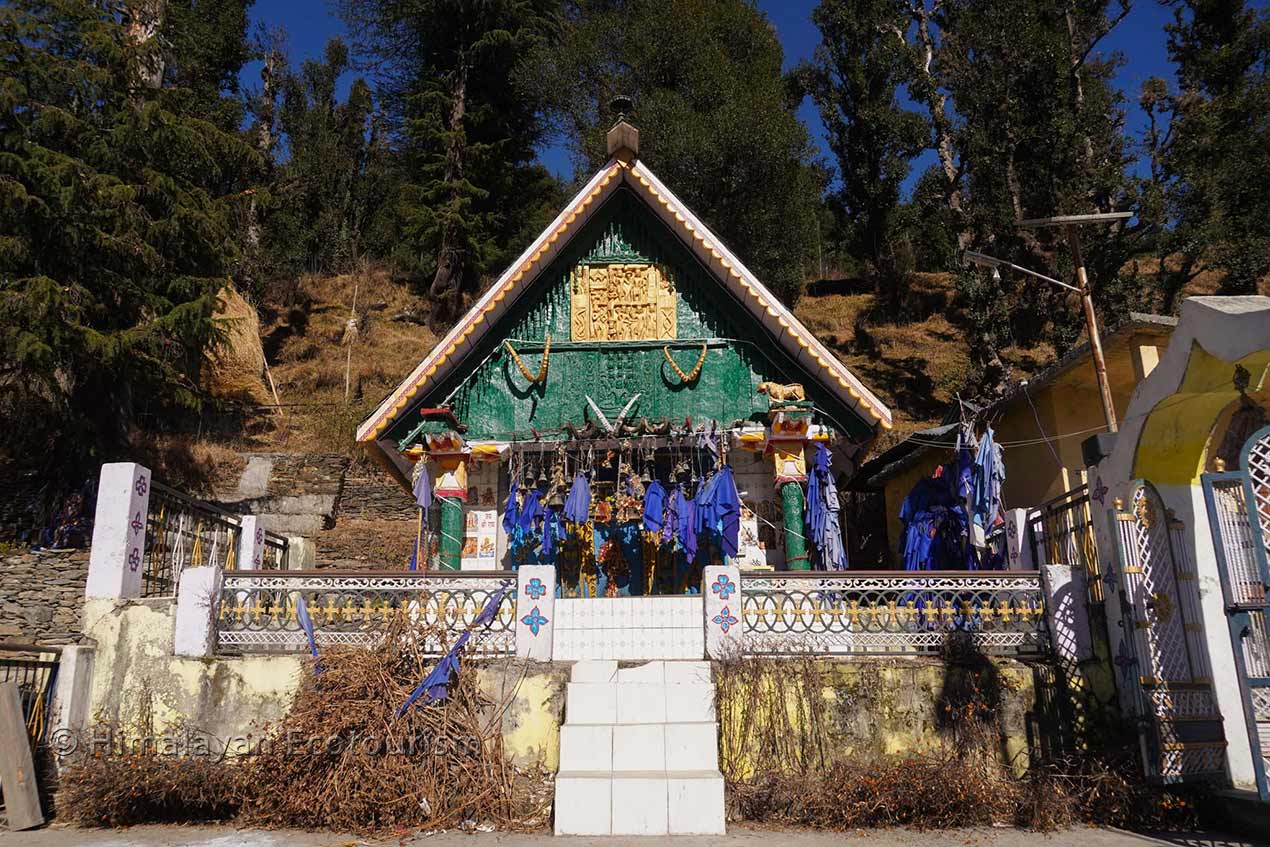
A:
[782,393]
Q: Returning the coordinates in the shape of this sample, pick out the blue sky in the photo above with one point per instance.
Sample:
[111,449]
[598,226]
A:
[1139,38]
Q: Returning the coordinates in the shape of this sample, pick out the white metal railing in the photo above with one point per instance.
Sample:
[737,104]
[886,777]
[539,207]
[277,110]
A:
[898,612]
[258,610]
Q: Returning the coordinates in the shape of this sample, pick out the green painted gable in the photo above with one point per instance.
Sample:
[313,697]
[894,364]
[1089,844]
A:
[490,395]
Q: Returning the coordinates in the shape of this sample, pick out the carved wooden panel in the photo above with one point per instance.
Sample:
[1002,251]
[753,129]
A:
[626,302]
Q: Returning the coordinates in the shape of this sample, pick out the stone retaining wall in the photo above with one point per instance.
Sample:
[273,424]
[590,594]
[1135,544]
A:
[42,596]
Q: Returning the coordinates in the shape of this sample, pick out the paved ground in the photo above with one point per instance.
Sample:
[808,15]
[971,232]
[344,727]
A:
[225,836]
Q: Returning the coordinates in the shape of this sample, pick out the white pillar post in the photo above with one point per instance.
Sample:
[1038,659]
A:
[74,689]
[1018,551]
[721,590]
[535,611]
[196,599]
[251,543]
[119,532]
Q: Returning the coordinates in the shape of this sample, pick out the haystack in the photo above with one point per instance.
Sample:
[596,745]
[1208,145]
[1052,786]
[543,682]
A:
[234,369]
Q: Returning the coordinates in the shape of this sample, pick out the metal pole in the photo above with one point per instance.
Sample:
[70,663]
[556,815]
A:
[1091,321]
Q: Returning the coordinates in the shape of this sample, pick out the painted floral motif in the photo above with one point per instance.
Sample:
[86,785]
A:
[1100,490]
[534,620]
[137,523]
[134,559]
[723,587]
[724,619]
[535,589]
[142,486]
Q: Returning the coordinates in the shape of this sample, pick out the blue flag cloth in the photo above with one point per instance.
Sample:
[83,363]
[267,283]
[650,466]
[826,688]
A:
[989,477]
[577,506]
[654,507]
[490,610]
[717,511]
[674,505]
[530,512]
[726,505]
[423,488]
[553,533]
[823,525]
[511,516]
[306,624]
[435,686]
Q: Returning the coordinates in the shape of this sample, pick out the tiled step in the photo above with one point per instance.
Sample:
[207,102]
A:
[639,803]
[639,702]
[639,751]
[639,747]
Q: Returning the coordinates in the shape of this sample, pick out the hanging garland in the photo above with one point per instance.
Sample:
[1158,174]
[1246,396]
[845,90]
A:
[542,368]
[692,375]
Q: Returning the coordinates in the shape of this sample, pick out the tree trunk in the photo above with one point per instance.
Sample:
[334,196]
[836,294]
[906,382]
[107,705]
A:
[142,21]
[448,269]
[1077,51]
[936,104]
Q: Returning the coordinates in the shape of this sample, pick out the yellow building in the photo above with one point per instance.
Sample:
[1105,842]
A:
[1041,423]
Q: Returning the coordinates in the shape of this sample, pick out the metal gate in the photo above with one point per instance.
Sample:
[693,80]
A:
[1239,515]
[1162,651]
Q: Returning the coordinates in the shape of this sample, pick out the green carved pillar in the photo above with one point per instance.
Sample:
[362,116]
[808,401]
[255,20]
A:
[795,532]
[451,546]
[789,425]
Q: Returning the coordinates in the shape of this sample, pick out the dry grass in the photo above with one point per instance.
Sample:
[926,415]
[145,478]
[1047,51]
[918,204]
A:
[367,543]
[308,339]
[341,760]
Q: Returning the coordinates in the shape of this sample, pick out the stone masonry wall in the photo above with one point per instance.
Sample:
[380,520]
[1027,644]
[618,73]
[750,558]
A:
[42,596]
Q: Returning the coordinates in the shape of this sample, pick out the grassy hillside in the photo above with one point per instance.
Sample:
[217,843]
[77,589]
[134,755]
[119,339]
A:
[916,367]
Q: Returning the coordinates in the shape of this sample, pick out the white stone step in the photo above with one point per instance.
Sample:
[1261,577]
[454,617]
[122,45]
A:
[594,671]
[639,803]
[639,702]
[639,747]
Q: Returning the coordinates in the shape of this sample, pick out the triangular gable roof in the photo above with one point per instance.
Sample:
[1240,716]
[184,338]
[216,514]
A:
[792,336]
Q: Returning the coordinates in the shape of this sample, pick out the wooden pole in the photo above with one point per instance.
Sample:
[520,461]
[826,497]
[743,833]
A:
[1091,321]
[17,770]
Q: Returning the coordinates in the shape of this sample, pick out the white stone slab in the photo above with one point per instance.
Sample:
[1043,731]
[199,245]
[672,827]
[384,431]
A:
[639,747]
[721,617]
[586,747]
[688,671]
[593,671]
[689,701]
[692,747]
[535,612]
[639,805]
[583,804]
[647,672]
[194,631]
[695,804]
[641,702]
[591,702]
[251,542]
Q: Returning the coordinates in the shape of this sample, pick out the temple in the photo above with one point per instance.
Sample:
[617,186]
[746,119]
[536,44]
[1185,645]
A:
[630,359]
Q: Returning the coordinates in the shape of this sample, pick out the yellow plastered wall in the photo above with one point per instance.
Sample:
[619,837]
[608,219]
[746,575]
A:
[1173,448]
[234,698]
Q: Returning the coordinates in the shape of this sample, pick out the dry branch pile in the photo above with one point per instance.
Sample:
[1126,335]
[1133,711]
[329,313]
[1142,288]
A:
[341,760]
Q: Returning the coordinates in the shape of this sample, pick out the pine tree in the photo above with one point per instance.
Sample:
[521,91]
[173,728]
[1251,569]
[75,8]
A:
[338,175]
[1215,162]
[859,68]
[716,118]
[120,187]
[447,71]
